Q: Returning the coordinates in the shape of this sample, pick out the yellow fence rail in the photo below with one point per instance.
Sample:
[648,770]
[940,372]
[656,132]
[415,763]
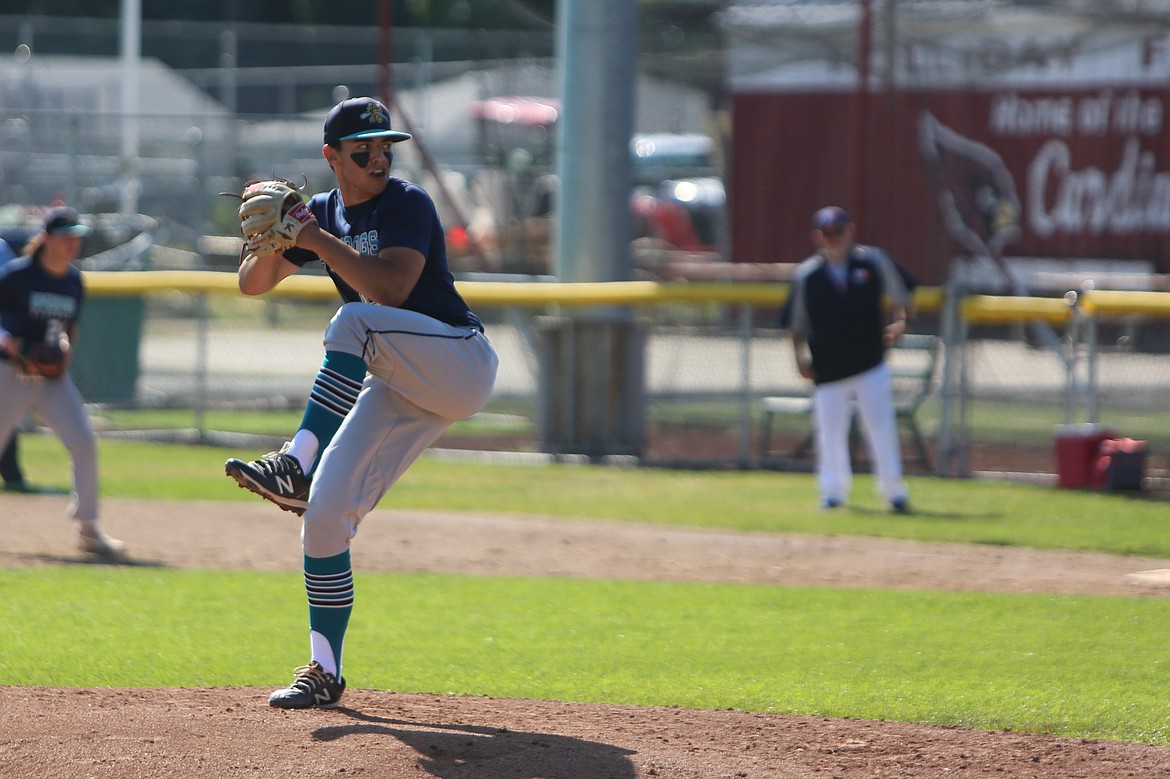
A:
[982,309]
[574,294]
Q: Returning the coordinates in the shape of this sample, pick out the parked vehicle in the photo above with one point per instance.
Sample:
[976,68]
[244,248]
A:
[678,201]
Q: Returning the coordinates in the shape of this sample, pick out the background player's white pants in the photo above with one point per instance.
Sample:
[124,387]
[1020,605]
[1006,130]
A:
[59,405]
[833,404]
[424,375]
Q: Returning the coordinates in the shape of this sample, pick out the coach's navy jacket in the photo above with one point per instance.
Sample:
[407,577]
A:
[843,325]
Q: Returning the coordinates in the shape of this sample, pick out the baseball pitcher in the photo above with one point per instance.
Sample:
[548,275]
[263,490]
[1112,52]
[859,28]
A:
[404,359]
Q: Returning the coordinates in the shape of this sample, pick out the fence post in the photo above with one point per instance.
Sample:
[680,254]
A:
[1072,397]
[1091,366]
[201,361]
[953,336]
[745,409]
[962,465]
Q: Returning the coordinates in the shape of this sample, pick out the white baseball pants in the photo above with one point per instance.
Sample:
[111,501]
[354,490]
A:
[833,405]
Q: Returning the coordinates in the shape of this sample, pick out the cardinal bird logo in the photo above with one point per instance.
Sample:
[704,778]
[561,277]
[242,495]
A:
[976,192]
[978,200]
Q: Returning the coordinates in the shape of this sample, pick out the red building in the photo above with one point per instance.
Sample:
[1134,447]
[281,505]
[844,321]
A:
[1012,132]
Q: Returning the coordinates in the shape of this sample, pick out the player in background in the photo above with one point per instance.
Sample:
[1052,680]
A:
[840,328]
[10,470]
[9,459]
[41,294]
[404,358]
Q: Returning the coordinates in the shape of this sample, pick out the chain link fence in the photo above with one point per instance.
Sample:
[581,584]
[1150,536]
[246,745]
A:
[220,368]
[212,367]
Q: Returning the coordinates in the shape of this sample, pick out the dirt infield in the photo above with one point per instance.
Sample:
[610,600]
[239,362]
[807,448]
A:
[117,734]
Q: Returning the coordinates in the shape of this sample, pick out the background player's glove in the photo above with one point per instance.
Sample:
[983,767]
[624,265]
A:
[42,360]
[271,216]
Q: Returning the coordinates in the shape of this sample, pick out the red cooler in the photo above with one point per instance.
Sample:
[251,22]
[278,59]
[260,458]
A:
[1076,452]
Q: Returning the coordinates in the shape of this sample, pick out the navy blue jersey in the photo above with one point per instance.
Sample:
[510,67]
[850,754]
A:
[403,215]
[843,319]
[34,302]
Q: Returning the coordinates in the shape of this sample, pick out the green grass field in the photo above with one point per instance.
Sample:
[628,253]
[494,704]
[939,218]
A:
[1093,667]
[983,512]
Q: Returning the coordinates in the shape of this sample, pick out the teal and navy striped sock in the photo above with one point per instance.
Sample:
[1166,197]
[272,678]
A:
[334,392]
[329,584]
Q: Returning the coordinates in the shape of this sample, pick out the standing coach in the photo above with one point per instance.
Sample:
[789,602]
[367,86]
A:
[849,304]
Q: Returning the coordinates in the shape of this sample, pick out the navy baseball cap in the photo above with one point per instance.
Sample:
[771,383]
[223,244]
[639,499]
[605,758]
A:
[64,221]
[830,216]
[360,117]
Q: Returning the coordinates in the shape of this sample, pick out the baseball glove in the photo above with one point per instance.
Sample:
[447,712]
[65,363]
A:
[43,361]
[271,216]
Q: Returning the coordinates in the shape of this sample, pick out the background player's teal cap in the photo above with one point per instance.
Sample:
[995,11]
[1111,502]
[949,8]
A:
[63,220]
[360,117]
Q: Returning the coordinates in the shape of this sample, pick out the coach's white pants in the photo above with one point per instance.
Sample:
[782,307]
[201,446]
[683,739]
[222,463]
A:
[833,404]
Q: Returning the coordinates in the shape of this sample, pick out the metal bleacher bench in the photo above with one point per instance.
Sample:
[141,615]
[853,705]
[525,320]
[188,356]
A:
[912,362]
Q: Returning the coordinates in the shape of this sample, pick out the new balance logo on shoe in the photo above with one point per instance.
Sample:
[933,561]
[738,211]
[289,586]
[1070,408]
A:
[276,476]
[285,483]
[313,688]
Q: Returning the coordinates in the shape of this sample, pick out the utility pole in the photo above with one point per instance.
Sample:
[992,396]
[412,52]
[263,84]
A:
[861,104]
[131,60]
[592,385]
[597,58]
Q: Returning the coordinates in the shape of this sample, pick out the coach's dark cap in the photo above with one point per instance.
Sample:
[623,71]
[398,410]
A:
[64,221]
[360,117]
[829,217]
